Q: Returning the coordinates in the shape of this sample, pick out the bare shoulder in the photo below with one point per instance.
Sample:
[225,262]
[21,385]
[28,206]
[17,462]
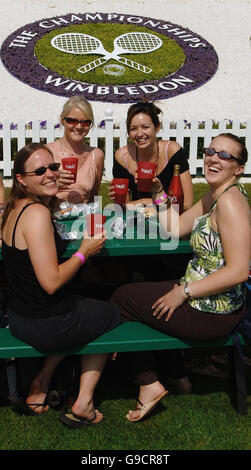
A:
[120,154]
[233,203]
[35,221]
[98,154]
[53,146]
[37,212]
[173,147]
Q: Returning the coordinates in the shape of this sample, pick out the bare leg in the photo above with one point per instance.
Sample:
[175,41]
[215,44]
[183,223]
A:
[40,384]
[91,369]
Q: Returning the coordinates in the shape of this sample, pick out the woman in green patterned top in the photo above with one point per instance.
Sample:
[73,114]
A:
[207,303]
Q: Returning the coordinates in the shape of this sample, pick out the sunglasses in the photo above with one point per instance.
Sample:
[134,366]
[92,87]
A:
[74,121]
[222,154]
[42,169]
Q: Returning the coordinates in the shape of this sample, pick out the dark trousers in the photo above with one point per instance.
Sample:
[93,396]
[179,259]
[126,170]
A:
[136,300]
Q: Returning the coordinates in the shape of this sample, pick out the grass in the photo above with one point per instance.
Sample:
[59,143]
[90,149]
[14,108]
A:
[205,420]
[199,190]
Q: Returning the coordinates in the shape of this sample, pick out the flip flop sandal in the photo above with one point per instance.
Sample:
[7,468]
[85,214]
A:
[75,421]
[21,405]
[146,408]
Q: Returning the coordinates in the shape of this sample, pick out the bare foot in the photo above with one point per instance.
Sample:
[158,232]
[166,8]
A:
[147,394]
[86,410]
[36,397]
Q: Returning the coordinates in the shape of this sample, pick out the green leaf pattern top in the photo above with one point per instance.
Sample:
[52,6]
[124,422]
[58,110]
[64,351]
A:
[208,258]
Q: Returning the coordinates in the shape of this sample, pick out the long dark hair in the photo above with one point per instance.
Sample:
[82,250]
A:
[18,191]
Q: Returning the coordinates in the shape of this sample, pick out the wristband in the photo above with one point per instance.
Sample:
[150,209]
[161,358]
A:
[80,256]
[161,200]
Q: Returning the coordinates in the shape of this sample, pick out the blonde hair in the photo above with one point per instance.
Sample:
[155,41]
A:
[78,102]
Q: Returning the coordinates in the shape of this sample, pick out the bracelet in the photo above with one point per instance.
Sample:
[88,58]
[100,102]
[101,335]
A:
[161,200]
[80,256]
[186,290]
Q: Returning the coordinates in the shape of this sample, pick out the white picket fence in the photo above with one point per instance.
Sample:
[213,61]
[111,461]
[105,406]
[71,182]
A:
[182,131]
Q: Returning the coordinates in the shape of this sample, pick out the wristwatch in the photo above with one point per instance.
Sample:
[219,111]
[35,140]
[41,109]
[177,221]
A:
[186,290]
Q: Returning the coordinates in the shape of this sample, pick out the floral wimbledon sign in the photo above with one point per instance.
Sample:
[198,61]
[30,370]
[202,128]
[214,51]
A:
[109,57]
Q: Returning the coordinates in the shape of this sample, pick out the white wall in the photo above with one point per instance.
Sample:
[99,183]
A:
[223,23]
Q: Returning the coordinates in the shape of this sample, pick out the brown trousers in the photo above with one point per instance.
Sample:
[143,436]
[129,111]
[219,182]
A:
[136,300]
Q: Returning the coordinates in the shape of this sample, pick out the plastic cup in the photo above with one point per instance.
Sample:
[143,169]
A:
[121,189]
[146,172]
[71,164]
[95,224]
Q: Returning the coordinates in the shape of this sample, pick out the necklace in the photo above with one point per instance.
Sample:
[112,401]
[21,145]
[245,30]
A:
[71,152]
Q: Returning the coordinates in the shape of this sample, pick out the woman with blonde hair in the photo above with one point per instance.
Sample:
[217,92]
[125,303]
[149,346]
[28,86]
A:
[77,119]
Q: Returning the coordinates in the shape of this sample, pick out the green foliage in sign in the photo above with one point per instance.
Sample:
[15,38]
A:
[163,62]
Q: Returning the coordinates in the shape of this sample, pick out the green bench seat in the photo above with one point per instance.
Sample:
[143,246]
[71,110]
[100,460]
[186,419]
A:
[134,336]
[130,336]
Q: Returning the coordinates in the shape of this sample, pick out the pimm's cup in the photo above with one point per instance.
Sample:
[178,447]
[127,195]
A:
[71,164]
[121,189]
[95,224]
[146,172]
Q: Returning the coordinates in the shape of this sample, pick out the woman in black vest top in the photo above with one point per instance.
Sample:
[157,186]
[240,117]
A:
[143,125]
[41,309]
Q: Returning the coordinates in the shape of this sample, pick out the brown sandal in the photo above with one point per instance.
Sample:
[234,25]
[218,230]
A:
[147,407]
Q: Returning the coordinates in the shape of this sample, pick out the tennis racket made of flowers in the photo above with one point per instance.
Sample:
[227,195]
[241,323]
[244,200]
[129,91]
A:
[128,43]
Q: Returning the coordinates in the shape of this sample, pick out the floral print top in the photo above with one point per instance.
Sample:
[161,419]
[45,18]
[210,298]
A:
[208,258]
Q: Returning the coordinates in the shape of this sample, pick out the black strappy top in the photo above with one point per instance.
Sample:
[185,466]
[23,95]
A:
[25,295]
[165,176]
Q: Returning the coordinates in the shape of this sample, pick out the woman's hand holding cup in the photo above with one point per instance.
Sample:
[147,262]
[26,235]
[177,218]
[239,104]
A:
[91,246]
[65,179]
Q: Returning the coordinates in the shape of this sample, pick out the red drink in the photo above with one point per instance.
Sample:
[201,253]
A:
[175,191]
[146,172]
[71,164]
[95,224]
[121,189]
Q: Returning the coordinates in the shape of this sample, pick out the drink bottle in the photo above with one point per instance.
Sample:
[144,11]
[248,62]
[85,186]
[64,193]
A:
[175,191]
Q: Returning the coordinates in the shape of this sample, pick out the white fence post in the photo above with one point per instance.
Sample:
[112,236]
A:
[6,148]
[94,136]
[20,135]
[35,131]
[108,144]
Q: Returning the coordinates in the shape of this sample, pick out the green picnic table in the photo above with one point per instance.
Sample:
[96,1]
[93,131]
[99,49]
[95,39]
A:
[142,239]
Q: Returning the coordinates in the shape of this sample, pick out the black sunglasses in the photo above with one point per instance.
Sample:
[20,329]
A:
[74,121]
[42,169]
[210,151]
